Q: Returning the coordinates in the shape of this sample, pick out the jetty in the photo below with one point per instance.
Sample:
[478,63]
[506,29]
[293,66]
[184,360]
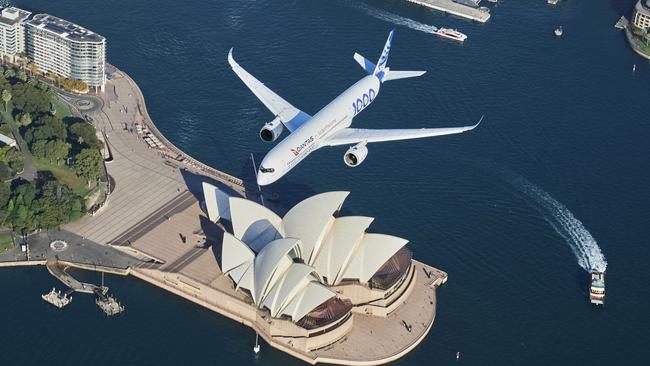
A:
[59,272]
[57,299]
[479,14]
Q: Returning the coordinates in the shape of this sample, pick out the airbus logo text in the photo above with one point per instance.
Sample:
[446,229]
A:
[363,102]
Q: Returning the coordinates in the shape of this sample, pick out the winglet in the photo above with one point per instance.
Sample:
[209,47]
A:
[231,60]
[478,123]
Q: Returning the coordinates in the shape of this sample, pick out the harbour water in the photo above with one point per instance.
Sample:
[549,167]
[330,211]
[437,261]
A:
[561,159]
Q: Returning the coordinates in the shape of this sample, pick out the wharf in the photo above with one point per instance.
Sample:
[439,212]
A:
[448,6]
[60,273]
[622,23]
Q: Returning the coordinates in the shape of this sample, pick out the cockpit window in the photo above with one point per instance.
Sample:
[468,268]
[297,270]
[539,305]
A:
[266,170]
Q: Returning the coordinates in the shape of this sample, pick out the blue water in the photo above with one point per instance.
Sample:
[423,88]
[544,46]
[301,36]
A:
[565,115]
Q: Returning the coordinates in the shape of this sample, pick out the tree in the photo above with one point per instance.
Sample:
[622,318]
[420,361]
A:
[85,134]
[33,68]
[5,174]
[38,148]
[10,73]
[22,76]
[6,97]
[46,127]
[56,150]
[88,164]
[22,61]
[25,119]
[5,194]
[15,159]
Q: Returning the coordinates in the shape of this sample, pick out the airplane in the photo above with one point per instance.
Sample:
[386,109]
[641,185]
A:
[331,125]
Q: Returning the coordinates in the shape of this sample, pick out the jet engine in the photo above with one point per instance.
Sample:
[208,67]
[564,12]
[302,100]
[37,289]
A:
[272,130]
[355,155]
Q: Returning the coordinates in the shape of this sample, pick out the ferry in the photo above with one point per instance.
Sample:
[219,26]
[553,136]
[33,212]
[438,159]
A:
[597,289]
[451,34]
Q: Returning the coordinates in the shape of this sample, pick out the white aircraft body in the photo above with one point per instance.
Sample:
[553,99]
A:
[331,125]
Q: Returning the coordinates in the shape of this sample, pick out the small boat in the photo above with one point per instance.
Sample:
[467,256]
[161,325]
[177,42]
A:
[558,31]
[451,34]
[634,68]
[597,289]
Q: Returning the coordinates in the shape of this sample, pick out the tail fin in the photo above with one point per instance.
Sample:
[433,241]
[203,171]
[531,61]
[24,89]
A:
[383,72]
[383,59]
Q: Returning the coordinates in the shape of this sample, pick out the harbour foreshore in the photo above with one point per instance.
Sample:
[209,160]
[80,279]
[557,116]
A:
[152,203]
[450,7]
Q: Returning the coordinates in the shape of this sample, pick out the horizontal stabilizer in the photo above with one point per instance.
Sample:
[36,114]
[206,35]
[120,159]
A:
[394,75]
[367,65]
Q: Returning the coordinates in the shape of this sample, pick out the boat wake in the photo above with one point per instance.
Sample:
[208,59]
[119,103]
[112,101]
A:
[393,18]
[583,245]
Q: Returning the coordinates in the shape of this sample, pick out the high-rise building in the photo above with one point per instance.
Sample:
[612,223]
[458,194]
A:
[12,32]
[67,49]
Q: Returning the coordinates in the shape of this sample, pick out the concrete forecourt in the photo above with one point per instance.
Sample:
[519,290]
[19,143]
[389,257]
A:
[322,290]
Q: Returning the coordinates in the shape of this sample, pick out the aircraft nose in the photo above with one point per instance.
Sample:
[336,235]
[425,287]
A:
[262,179]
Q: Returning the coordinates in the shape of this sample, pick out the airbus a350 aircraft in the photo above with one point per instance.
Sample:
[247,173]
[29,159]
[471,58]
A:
[331,125]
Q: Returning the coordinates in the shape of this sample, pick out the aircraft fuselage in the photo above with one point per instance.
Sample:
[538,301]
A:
[312,135]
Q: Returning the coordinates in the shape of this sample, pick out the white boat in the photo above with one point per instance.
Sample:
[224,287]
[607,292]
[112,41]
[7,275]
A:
[597,289]
[451,34]
[558,31]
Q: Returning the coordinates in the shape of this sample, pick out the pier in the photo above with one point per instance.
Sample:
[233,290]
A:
[59,273]
[448,6]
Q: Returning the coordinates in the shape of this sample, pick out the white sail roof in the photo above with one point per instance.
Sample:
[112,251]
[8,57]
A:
[254,224]
[312,296]
[373,252]
[311,219]
[296,255]
[237,261]
[292,284]
[339,246]
[270,265]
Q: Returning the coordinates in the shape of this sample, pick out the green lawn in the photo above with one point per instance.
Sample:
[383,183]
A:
[6,242]
[65,174]
[62,109]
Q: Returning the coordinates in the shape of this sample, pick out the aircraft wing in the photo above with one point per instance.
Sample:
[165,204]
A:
[348,136]
[291,117]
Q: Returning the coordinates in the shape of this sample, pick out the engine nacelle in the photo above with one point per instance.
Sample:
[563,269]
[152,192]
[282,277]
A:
[272,130]
[355,155]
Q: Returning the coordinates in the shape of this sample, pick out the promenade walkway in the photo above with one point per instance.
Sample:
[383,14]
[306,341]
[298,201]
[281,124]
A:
[145,179]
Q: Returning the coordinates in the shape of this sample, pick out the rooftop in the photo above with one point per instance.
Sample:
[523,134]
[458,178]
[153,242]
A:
[64,28]
[12,15]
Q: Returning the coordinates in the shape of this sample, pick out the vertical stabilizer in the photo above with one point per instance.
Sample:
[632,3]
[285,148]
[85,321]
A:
[381,64]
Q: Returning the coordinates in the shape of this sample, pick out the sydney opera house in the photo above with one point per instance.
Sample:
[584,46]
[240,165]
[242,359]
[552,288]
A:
[312,275]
